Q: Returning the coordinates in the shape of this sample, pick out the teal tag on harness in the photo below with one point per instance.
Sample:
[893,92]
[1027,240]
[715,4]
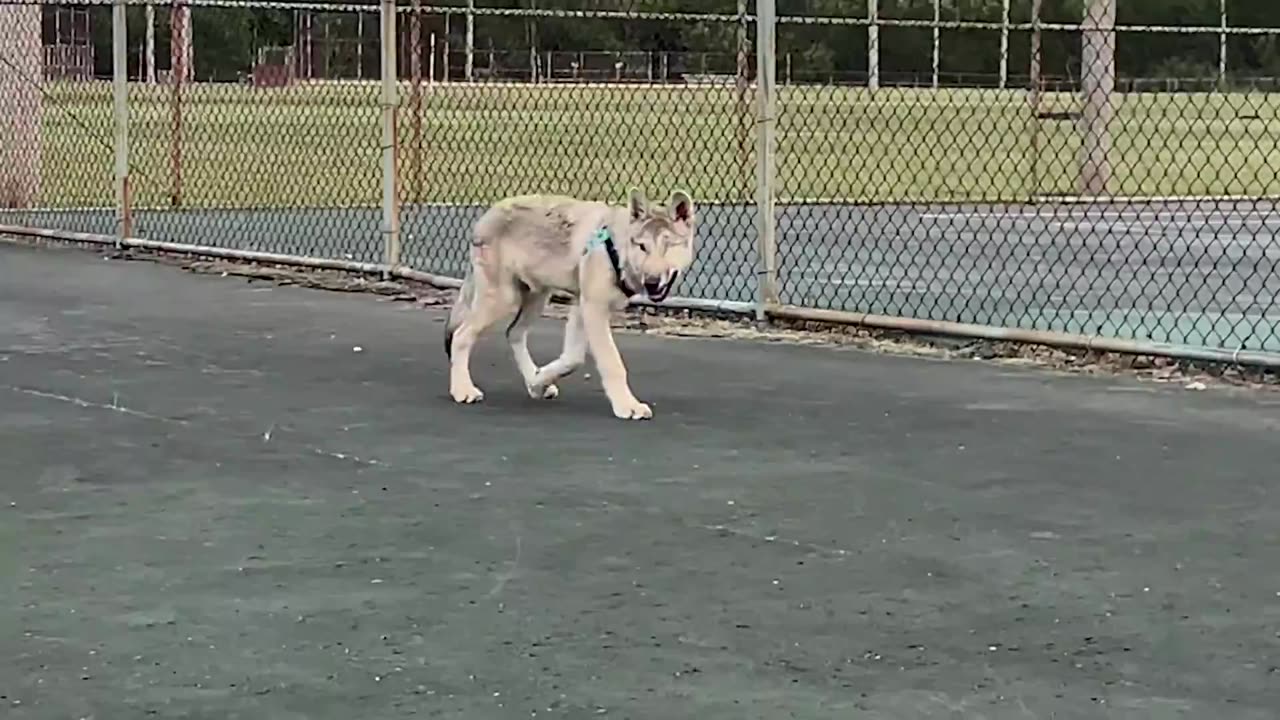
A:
[604,238]
[598,239]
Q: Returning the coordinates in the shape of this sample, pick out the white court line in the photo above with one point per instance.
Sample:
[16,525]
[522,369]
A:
[1226,215]
[1172,230]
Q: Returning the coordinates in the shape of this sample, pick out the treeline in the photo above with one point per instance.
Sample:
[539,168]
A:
[227,39]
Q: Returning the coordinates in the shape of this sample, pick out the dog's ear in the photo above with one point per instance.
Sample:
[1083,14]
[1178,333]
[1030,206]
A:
[637,203]
[680,205]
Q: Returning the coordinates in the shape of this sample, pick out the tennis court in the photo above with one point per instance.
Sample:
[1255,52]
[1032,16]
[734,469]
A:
[224,498]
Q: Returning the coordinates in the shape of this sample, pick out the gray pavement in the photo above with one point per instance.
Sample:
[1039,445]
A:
[1191,273]
[213,506]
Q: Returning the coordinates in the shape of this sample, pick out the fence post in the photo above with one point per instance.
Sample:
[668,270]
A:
[179,57]
[743,104]
[766,71]
[120,116]
[1222,46]
[21,106]
[415,97]
[150,43]
[937,40]
[390,97]
[1004,46]
[1033,100]
[1097,83]
[873,44]
[1034,68]
[471,40]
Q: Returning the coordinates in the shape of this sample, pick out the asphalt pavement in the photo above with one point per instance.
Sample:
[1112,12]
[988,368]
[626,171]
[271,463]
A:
[226,499]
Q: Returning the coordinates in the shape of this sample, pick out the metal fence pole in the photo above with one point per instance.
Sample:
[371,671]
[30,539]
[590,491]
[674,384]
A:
[150,43]
[1034,69]
[415,97]
[22,106]
[937,40]
[1097,83]
[471,40]
[1004,46]
[742,101]
[431,58]
[390,97]
[873,44]
[1222,44]
[1033,100]
[766,71]
[120,116]
[179,42]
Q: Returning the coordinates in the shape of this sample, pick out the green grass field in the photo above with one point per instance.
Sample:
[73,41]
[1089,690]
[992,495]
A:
[318,145]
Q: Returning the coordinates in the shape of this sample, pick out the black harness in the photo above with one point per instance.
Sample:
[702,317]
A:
[605,238]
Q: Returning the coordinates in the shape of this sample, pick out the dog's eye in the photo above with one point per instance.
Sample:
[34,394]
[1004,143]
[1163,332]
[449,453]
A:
[643,247]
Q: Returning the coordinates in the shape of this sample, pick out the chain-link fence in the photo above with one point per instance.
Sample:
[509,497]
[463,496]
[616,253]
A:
[1023,184]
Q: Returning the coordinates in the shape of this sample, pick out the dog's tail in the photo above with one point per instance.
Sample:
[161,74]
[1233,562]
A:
[458,312]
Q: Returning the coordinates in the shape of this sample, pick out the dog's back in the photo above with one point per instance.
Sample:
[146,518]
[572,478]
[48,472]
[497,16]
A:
[532,240]
[538,239]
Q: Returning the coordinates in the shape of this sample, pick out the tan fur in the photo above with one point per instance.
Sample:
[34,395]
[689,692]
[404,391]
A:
[525,248]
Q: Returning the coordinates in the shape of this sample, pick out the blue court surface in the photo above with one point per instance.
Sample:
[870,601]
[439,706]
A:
[1204,273]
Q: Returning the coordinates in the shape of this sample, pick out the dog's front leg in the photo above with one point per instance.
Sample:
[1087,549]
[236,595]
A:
[571,357]
[613,373]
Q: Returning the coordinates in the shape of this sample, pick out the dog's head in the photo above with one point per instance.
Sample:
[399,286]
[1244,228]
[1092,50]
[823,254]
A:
[661,243]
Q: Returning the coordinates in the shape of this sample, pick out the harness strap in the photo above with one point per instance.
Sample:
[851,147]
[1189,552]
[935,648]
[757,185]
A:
[603,238]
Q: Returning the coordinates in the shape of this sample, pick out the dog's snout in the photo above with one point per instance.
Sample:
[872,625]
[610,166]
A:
[659,286]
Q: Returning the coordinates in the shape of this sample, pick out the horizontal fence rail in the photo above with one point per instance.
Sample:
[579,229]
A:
[1052,200]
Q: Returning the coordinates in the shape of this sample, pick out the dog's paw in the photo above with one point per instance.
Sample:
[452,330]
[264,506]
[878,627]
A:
[543,392]
[467,395]
[634,410]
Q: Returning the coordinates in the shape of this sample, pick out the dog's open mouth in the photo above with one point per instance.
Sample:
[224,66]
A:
[658,290]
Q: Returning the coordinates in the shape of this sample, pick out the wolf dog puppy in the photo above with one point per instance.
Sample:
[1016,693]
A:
[525,248]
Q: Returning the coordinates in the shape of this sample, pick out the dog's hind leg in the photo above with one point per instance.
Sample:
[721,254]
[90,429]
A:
[489,304]
[532,304]
[571,357]
[458,312]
